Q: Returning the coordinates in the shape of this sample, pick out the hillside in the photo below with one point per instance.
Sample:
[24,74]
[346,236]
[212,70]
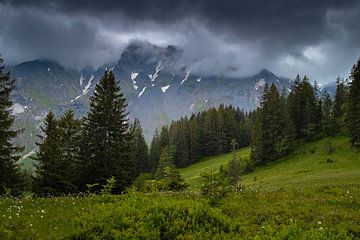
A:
[308,165]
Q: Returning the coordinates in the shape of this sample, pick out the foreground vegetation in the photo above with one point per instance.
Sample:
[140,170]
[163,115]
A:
[315,198]
[308,213]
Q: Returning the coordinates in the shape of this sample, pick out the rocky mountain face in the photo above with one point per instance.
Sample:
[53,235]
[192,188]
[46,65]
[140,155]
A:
[158,89]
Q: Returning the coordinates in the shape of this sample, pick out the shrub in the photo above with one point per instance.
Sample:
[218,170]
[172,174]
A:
[214,186]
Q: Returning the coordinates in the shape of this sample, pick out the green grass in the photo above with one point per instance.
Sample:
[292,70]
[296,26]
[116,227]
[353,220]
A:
[192,173]
[302,196]
[307,213]
[308,165]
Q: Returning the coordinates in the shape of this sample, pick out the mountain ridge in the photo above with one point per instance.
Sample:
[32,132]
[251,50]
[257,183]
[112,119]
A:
[158,88]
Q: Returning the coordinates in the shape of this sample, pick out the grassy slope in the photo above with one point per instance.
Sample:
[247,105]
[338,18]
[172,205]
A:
[192,173]
[300,169]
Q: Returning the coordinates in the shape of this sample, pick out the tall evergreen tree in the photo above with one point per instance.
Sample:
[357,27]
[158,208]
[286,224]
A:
[339,108]
[353,107]
[155,150]
[10,177]
[69,140]
[106,149]
[303,108]
[328,123]
[140,148]
[271,136]
[49,173]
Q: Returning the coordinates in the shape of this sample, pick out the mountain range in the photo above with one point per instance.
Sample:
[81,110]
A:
[158,89]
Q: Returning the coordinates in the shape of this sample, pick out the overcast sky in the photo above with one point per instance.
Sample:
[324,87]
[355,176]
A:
[320,38]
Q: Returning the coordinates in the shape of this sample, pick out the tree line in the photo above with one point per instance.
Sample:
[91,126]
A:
[203,134]
[303,115]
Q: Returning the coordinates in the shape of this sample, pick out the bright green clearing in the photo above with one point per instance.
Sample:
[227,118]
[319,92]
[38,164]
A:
[309,165]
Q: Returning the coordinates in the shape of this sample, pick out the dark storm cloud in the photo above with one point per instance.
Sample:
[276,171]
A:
[286,36]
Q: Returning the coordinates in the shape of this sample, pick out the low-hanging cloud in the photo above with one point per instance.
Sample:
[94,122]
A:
[235,38]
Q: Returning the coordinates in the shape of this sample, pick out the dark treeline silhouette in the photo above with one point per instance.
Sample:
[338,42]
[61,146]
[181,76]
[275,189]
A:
[203,134]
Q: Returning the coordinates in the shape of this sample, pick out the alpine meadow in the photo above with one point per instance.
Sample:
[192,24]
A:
[179,119]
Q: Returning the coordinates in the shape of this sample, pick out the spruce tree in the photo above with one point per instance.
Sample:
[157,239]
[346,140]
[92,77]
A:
[140,148]
[328,123]
[271,137]
[69,140]
[194,138]
[155,150]
[353,107]
[303,109]
[10,177]
[106,148]
[48,178]
[339,108]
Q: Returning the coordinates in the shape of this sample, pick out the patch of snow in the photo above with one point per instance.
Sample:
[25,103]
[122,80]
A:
[289,89]
[186,76]
[157,70]
[133,75]
[142,92]
[48,69]
[26,107]
[260,83]
[81,79]
[17,108]
[206,100]
[86,89]
[153,84]
[277,80]
[135,86]
[198,80]
[165,88]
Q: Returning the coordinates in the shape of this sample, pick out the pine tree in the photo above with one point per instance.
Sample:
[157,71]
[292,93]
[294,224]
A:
[10,177]
[271,136]
[48,176]
[339,108]
[155,150]
[353,107]
[106,149]
[69,141]
[210,133]
[328,123]
[303,108]
[222,141]
[194,138]
[140,148]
